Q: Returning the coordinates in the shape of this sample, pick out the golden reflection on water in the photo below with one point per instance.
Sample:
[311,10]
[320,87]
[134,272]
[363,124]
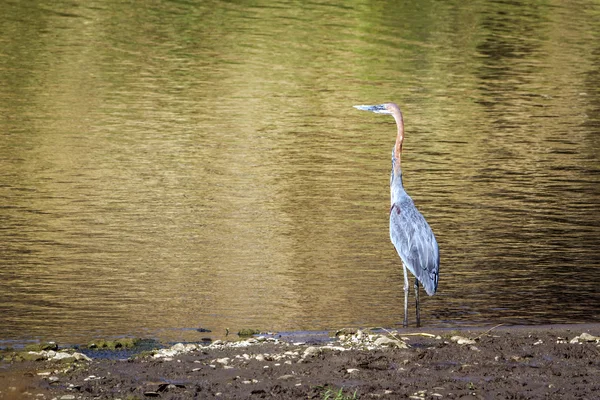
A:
[202,166]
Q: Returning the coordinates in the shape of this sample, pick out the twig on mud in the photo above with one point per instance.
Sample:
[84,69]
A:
[488,331]
[409,334]
[420,334]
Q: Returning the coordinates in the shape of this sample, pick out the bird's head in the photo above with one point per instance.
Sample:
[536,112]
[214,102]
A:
[386,108]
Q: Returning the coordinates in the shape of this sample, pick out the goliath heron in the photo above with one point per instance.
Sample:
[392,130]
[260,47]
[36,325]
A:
[410,233]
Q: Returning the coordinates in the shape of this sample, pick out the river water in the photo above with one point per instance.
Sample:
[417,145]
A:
[171,165]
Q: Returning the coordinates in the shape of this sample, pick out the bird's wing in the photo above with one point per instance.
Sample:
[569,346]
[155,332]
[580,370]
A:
[415,243]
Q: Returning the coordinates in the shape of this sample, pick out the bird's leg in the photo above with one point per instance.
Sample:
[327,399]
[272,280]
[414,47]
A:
[406,286]
[417,301]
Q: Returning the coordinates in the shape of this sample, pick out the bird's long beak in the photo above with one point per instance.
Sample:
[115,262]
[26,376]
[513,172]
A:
[379,109]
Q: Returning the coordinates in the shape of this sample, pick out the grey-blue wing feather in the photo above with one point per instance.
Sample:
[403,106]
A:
[415,243]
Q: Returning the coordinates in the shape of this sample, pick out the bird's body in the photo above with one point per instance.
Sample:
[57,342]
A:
[414,241]
[409,231]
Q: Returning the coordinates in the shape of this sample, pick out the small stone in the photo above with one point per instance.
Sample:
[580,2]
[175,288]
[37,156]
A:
[311,352]
[60,356]
[352,370]
[588,338]
[178,347]
[165,353]
[81,356]
[386,341]
[260,357]
[286,377]
[196,369]
[224,360]
[67,397]
[191,347]
[462,340]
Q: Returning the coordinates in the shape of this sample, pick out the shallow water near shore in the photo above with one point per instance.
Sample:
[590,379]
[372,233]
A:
[173,166]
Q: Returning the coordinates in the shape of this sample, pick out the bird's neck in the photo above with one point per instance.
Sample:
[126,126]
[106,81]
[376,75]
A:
[396,184]
[396,157]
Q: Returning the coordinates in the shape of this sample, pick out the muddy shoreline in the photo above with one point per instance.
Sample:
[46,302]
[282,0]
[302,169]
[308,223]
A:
[524,362]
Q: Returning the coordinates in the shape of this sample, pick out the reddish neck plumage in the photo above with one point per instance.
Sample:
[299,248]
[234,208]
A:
[397,114]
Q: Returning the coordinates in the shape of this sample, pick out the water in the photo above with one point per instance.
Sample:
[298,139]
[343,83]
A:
[167,166]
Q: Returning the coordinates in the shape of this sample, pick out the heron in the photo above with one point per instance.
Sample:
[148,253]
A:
[409,231]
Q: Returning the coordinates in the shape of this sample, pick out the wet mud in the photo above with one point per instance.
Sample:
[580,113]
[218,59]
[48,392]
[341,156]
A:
[549,362]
